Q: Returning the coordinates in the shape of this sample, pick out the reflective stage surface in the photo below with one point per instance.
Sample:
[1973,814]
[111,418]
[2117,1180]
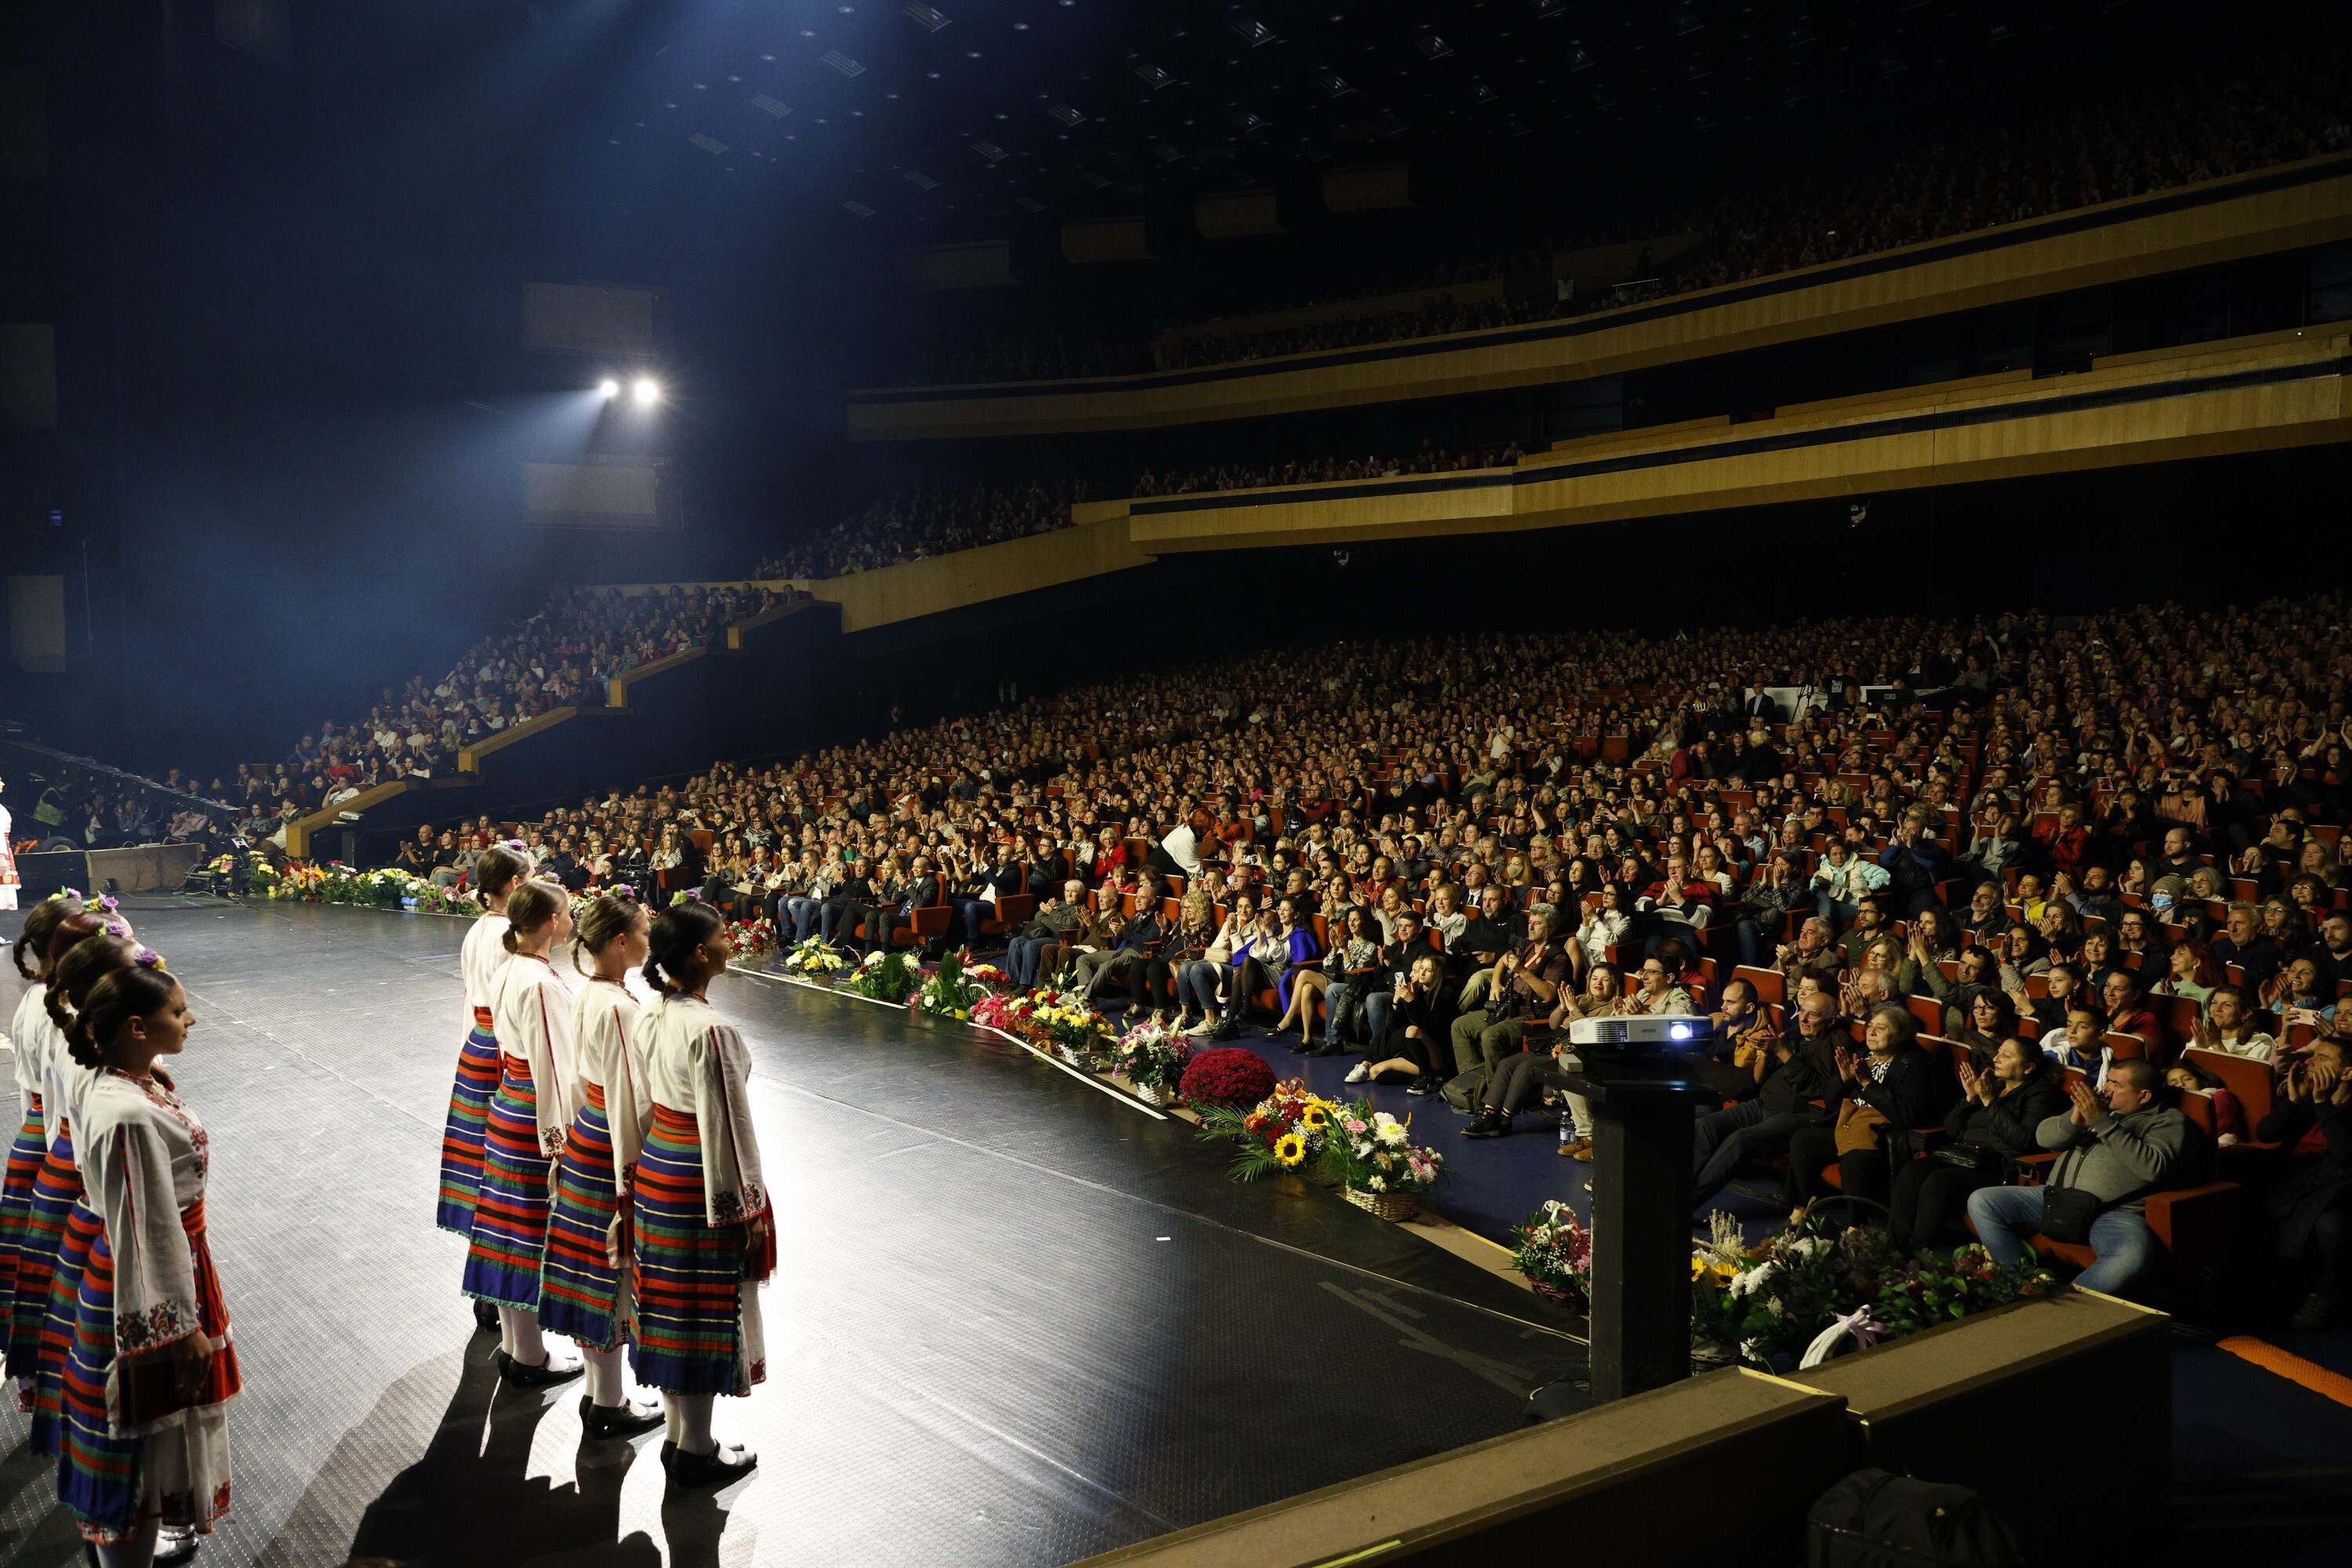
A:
[1018,1319]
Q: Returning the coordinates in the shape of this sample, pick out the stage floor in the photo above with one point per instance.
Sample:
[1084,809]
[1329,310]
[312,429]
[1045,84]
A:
[1017,1321]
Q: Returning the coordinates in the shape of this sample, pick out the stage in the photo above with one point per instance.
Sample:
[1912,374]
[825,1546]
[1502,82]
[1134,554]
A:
[1018,1318]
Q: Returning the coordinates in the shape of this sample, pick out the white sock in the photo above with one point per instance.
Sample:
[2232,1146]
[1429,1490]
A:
[608,1377]
[519,1331]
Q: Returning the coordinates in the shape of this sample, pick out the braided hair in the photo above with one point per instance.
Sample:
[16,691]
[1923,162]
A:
[606,920]
[499,869]
[41,923]
[83,966]
[139,991]
[678,930]
[530,906]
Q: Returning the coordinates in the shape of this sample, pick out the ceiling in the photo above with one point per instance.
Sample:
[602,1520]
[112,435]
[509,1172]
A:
[955,120]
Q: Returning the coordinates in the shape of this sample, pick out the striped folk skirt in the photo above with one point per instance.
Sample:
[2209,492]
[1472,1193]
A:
[56,1188]
[580,1291]
[461,1138]
[510,1230]
[698,1329]
[134,1448]
[24,1168]
[83,1227]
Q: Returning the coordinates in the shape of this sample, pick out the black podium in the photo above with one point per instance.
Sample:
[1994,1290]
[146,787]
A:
[1643,1183]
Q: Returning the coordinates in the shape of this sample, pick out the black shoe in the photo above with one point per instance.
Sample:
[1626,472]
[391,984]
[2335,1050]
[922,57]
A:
[1422,1087]
[1481,1126]
[1226,1029]
[1302,1049]
[617,1420]
[711,1470]
[546,1374]
[1328,1048]
[486,1318]
[2317,1313]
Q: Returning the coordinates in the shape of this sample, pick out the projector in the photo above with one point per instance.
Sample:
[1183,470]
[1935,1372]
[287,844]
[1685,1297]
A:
[1643,1033]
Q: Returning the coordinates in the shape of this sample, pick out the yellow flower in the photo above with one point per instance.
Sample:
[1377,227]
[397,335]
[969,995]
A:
[1290,1148]
[1314,1118]
[1698,1266]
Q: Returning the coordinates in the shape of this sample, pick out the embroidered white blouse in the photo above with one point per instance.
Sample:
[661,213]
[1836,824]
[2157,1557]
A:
[143,1158]
[695,1062]
[482,956]
[28,1031]
[530,1012]
[609,1054]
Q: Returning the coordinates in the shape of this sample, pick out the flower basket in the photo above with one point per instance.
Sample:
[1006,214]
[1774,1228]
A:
[1155,1094]
[1390,1207]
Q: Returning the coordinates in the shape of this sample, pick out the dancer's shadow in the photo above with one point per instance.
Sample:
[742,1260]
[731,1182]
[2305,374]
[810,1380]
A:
[471,1499]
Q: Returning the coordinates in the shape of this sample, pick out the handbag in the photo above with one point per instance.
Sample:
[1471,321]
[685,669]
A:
[2067,1213]
[1857,1127]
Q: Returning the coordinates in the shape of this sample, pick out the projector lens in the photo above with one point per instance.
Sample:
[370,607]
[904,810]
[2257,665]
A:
[1679,1031]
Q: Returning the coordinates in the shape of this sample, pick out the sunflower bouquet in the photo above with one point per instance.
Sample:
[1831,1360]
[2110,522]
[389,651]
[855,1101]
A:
[1286,1130]
[1068,1026]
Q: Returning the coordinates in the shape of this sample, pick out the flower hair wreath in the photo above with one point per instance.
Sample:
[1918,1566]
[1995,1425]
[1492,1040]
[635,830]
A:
[148,958]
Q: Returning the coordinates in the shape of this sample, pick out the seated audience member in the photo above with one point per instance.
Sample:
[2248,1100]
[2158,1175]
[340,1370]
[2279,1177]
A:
[1996,1119]
[1793,1070]
[1414,1047]
[2231,1024]
[1524,984]
[2116,1146]
[1878,1096]
[2311,1211]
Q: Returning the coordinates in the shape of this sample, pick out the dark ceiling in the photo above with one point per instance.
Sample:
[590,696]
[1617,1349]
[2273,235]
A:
[956,120]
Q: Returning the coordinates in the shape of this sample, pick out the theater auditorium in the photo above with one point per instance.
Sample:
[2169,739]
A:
[1018,783]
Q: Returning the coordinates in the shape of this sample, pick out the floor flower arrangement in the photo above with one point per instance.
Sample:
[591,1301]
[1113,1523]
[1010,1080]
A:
[755,935]
[956,987]
[1554,1251]
[815,958]
[883,976]
[1812,1290]
[1152,1056]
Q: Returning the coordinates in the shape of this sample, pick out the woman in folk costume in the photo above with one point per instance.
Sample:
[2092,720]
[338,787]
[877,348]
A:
[28,1031]
[8,878]
[582,1285]
[478,960]
[62,1224]
[150,1368]
[703,1236]
[524,1133]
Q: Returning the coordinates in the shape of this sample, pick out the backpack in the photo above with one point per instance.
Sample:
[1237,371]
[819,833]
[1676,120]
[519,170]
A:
[1873,1520]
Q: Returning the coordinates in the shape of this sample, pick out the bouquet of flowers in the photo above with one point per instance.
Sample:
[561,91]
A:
[757,934]
[452,901]
[1281,1132]
[951,992]
[1152,1055]
[1227,1075]
[304,882]
[265,876]
[1001,1010]
[817,959]
[1555,1252]
[885,977]
[1797,1297]
[984,975]
[1371,1151]
[388,888]
[1069,1025]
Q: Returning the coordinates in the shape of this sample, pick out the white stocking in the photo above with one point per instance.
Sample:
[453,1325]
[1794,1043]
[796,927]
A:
[518,1332]
[608,1377]
[690,1417]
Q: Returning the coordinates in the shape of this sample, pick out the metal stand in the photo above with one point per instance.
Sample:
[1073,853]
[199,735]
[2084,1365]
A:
[1643,1183]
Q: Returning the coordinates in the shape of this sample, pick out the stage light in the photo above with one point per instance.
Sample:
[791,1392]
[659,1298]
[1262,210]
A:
[647,391]
[608,387]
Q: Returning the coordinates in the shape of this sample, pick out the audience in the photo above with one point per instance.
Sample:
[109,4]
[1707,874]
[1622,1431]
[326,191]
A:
[928,519]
